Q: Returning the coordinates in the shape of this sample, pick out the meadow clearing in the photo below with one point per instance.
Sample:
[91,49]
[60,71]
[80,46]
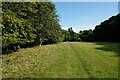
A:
[63,60]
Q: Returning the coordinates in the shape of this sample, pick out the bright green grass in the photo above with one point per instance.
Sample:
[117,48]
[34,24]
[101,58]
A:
[63,60]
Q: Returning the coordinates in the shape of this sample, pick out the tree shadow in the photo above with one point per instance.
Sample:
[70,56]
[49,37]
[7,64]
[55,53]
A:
[4,50]
[109,46]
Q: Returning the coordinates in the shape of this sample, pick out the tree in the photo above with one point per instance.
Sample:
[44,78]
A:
[86,35]
[71,32]
[70,35]
[108,30]
[66,35]
[29,24]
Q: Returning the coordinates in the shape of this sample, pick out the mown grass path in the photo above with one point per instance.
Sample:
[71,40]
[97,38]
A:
[63,60]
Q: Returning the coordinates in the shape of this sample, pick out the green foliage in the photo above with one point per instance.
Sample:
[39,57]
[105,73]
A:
[29,24]
[108,30]
[71,32]
[76,37]
[66,35]
[70,35]
[86,35]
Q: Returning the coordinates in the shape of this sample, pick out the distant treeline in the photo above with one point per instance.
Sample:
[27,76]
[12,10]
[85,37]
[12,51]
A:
[28,24]
[107,31]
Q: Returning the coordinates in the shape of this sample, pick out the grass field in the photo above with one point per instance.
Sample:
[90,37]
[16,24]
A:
[63,60]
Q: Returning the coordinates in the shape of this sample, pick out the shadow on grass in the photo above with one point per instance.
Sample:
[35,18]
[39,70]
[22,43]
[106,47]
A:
[109,46]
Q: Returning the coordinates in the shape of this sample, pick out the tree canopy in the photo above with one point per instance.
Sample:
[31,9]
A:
[29,24]
[108,30]
[70,35]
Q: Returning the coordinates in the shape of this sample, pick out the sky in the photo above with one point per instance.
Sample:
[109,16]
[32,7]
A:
[84,15]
